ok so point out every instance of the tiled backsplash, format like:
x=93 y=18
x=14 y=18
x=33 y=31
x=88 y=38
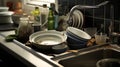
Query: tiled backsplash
x=93 y=17
x=96 y=17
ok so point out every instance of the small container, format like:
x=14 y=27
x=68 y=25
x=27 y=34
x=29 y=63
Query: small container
x=101 y=38
x=36 y=27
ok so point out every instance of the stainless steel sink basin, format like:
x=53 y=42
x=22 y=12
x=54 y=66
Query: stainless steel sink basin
x=87 y=57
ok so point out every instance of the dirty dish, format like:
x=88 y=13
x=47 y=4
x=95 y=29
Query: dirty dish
x=45 y=40
x=79 y=33
x=60 y=48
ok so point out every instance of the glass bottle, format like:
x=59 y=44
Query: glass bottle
x=50 y=19
x=56 y=15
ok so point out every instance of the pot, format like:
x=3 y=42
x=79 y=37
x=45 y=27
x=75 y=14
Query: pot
x=45 y=40
x=6 y=17
x=4 y=9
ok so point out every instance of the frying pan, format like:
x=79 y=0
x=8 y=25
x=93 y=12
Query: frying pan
x=45 y=40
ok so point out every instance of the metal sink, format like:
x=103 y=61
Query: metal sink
x=88 y=57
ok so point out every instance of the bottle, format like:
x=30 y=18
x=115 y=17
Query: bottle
x=36 y=14
x=44 y=13
x=56 y=15
x=37 y=22
x=50 y=19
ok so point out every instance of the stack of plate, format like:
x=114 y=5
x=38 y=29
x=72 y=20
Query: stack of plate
x=76 y=19
x=4 y=9
x=77 y=38
x=5 y=19
x=5 y=15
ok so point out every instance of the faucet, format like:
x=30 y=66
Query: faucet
x=84 y=7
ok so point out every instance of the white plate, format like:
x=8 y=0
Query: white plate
x=80 y=18
x=77 y=19
x=73 y=20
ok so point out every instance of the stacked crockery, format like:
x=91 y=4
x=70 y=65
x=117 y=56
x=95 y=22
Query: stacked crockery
x=77 y=38
x=5 y=15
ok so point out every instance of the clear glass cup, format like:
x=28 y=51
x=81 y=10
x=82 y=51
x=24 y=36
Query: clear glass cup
x=100 y=38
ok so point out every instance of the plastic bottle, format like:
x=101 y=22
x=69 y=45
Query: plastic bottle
x=37 y=21
x=44 y=13
x=50 y=19
x=36 y=14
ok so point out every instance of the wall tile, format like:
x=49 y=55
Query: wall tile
x=102 y=13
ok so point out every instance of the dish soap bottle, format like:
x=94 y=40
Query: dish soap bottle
x=36 y=14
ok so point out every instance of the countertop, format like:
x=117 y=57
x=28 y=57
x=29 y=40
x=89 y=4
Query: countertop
x=25 y=54
x=31 y=58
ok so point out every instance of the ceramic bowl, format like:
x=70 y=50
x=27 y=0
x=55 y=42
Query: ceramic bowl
x=74 y=43
x=59 y=48
x=75 y=37
x=79 y=33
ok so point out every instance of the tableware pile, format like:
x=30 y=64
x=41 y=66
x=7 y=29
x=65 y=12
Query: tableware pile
x=77 y=19
x=77 y=38
x=5 y=15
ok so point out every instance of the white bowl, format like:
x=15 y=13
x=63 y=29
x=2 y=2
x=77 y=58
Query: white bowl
x=77 y=32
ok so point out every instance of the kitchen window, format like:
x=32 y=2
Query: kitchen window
x=40 y=2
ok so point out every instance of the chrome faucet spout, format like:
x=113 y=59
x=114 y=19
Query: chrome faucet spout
x=85 y=7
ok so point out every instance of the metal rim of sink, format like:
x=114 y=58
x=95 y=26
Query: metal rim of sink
x=85 y=51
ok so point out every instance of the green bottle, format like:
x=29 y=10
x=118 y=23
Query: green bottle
x=56 y=15
x=50 y=20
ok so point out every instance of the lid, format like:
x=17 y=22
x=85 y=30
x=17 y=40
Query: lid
x=4 y=9
x=6 y=13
